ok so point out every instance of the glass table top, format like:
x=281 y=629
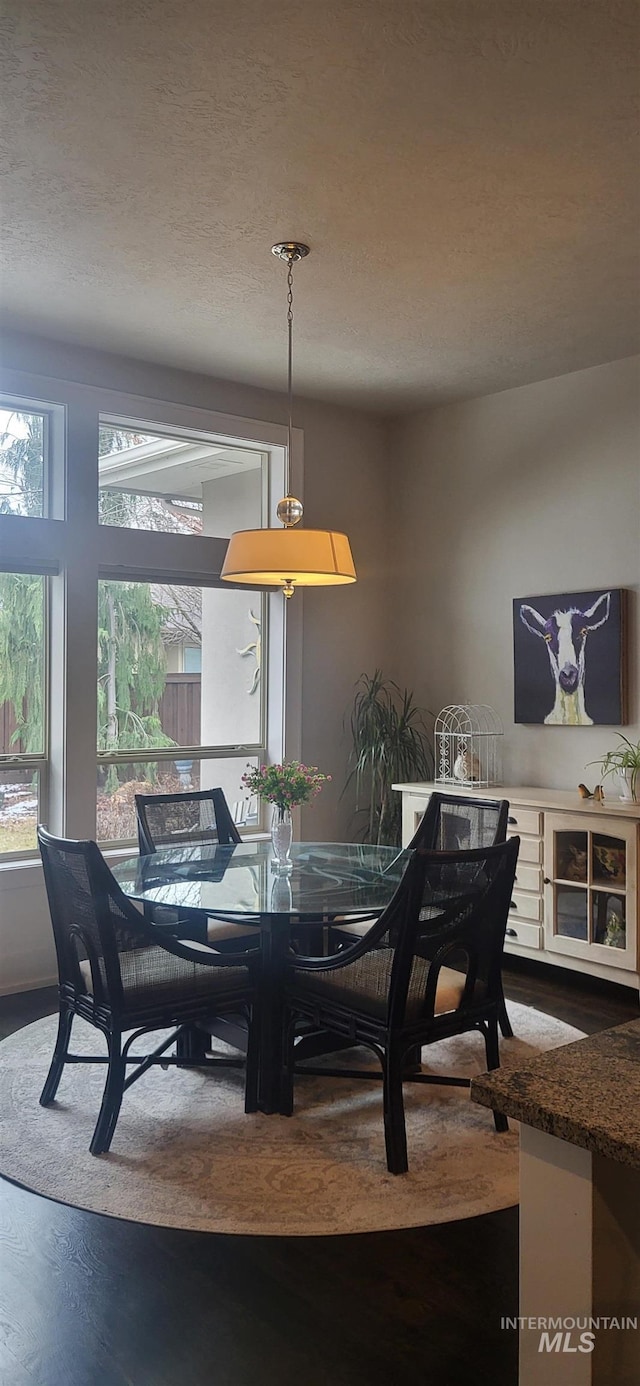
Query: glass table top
x=327 y=878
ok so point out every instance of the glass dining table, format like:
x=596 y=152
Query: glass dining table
x=241 y=883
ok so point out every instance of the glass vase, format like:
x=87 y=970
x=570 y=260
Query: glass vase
x=281 y=837
x=281 y=898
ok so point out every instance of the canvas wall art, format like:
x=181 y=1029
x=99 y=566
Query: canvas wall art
x=568 y=655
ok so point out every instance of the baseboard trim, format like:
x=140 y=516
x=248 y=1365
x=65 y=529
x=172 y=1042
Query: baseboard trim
x=31 y=985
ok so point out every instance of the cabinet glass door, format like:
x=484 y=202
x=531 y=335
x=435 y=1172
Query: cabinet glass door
x=590 y=885
x=609 y=919
x=571 y=856
x=572 y=912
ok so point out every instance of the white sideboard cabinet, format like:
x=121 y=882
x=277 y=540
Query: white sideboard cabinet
x=575 y=900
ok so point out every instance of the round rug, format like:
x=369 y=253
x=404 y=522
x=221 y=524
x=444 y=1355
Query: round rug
x=185 y=1155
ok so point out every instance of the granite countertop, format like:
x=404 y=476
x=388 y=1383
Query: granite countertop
x=587 y=1093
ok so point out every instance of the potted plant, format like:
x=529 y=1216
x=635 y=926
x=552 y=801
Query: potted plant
x=389 y=743
x=284 y=786
x=624 y=761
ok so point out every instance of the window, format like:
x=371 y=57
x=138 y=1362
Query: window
x=177 y=485
x=23 y=456
x=149 y=703
x=23 y=743
x=147 y=699
x=119 y=783
x=192 y=659
x=26 y=431
x=181 y=672
x=118 y=644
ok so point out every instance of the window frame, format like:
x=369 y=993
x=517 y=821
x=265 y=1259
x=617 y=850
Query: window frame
x=18 y=559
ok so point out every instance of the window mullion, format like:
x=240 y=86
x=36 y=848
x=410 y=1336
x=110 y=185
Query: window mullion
x=74 y=605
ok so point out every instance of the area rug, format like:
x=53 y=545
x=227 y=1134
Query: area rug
x=185 y=1155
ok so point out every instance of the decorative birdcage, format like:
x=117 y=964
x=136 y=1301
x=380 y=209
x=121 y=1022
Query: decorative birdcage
x=468 y=745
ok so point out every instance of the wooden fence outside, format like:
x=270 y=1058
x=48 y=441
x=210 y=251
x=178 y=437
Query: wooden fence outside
x=180 y=709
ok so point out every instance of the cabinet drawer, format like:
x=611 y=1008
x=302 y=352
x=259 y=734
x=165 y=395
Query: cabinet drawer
x=525 y=906
x=530 y=849
x=528 y=877
x=524 y=820
x=523 y=934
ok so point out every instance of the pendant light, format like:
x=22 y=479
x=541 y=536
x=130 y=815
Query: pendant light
x=289 y=557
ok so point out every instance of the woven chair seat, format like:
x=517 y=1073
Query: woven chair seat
x=363 y=985
x=219 y=932
x=358 y=927
x=152 y=976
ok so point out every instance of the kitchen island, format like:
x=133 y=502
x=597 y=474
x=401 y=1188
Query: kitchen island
x=579 y=1109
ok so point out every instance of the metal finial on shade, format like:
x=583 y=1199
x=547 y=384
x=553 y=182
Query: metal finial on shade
x=289 y=511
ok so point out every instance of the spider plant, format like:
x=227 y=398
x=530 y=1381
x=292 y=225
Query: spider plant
x=622 y=760
x=389 y=743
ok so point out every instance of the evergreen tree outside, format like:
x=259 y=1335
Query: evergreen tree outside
x=21 y=463
x=131 y=672
x=22 y=660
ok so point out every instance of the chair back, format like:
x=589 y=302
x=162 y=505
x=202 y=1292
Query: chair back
x=450 y=910
x=165 y=820
x=92 y=920
x=452 y=822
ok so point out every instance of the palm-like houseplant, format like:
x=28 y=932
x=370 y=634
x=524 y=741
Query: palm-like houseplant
x=389 y=744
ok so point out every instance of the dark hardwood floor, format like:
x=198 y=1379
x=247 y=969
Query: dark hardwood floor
x=88 y=1301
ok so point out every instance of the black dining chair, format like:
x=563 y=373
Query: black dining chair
x=194 y=817
x=451 y=822
x=199 y=815
x=114 y=975
x=383 y=992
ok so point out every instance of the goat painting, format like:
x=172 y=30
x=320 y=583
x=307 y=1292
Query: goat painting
x=570 y=675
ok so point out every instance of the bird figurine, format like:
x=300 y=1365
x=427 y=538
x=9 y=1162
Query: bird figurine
x=466 y=767
x=598 y=793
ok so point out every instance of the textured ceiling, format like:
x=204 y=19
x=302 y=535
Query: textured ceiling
x=464 y=171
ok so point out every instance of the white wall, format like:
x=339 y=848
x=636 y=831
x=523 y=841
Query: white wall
x=346 y=629
x=531 y=491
